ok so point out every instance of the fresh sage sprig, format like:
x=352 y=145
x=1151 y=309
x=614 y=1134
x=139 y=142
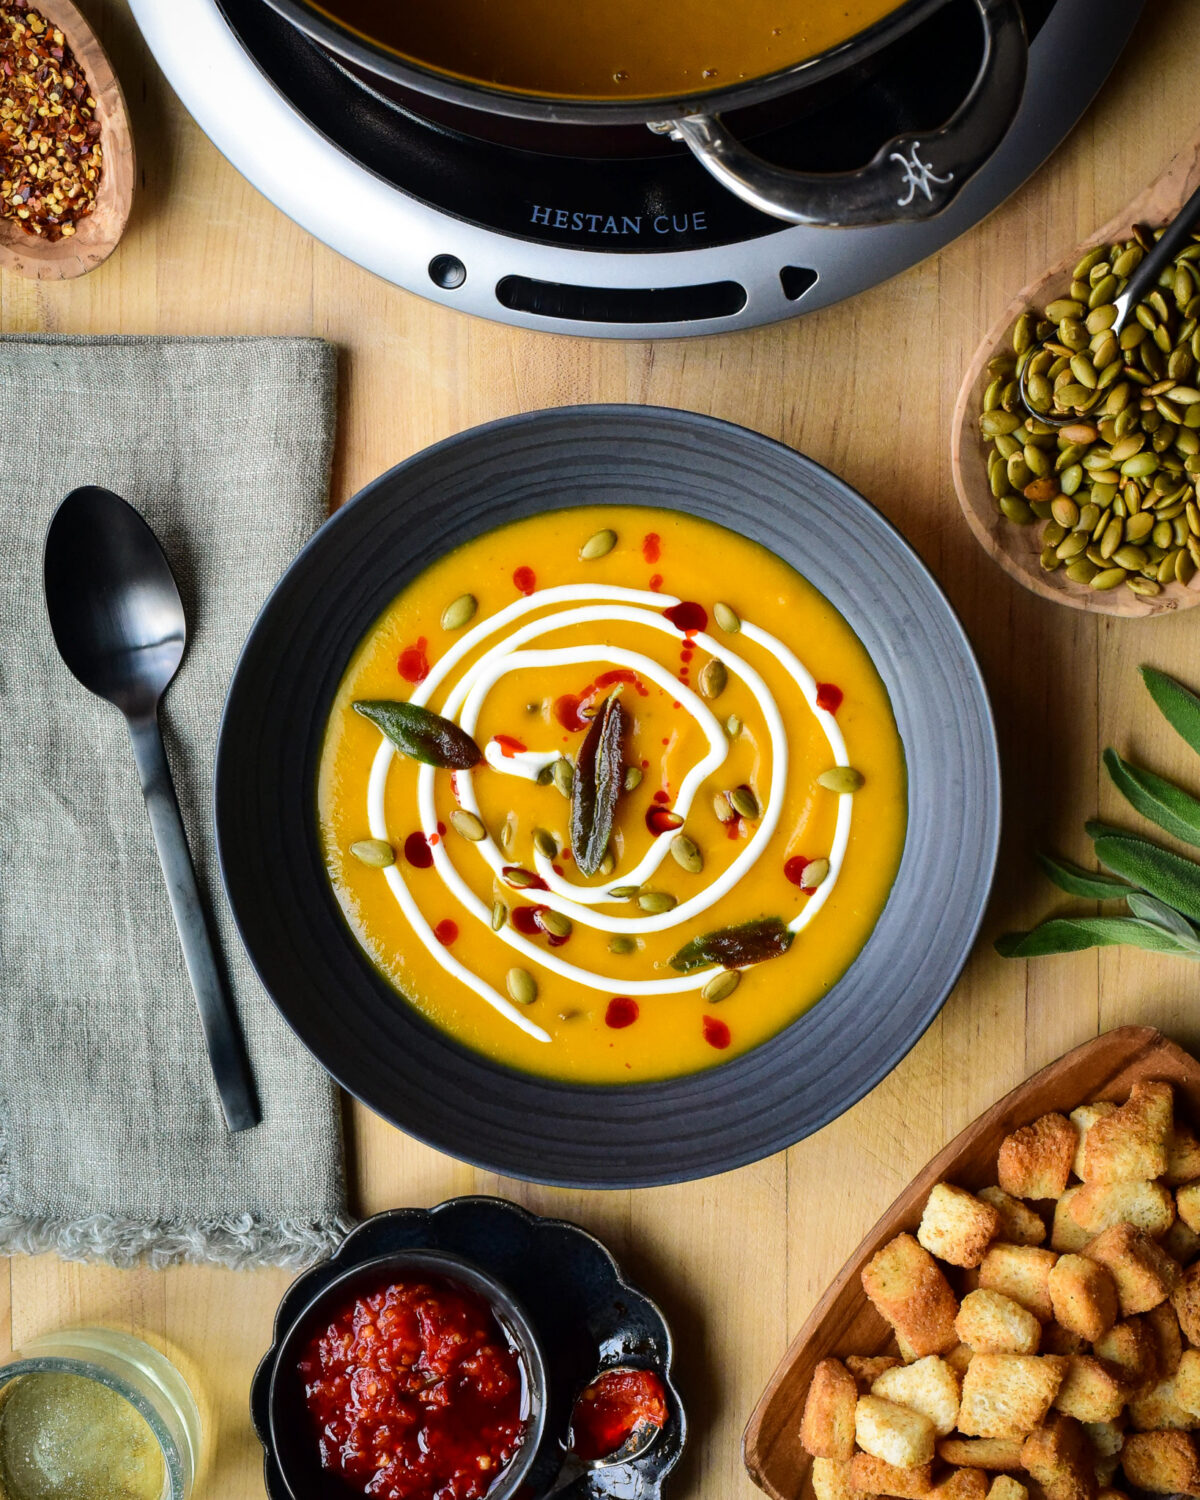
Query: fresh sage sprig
x=1160 y=888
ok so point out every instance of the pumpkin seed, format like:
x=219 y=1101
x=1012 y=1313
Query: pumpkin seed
x=656 y=902
x=1065 y=511
x=743 y=801
x=624 y=892
x=814 y=874
x=726 y=618
x=468 y=825
x=713 y=679
x=1017 y=511
x=545 y=843
x=459 y=611
x=521 y=986
x=621 y=943
x=555 y=923
x=545 y=776
x=721 y=986
x=733 y=726
x=841 y=779
x=686 y=854
x=599 y=544
x=724 y=812
x=632 y=779
x=499 y=915
x=1145 y=586
x=607 y=863
x=1109 y=578
x=563 y=776
x=374 y=852
x=508 y=834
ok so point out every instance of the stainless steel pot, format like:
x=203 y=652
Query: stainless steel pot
x=909 y=178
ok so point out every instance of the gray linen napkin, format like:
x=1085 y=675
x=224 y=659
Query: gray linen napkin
x=112 y=1143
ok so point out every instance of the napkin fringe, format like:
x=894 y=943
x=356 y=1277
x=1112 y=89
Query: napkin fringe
x=239 y=1241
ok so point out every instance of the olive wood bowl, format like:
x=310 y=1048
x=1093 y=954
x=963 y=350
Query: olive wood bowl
x=845 y=1322
x=1017 y=548
x=96 y=236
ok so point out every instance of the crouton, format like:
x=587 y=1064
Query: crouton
x=827 y=1426
x=1059 y=1457
x=1185 y=1299
x=1097 y=1206
x=1083 y=1119
x=1183 y=1154
x=959 y=1358
x=897 y=1434
x=1166 y=1463
x=1130 y=1145
x=831 y=1479
x=1130 y=1350
x=1021 y=1272
x=1084 y=1296
x=1144 y=1275
x=1164 y=1325
x=1187 y=1382
x=1158 y=1407
x=1106 y=1438
x=1066 y=1233
x=992 y=1323
x=1005 y=1487
x=1008 y=1395
x=1187 y=1201
x=1019 y=1224
x=981 y=1453
x=1035 y=1161
x=877 y=1477
x=956 y=1226
x=1090 y=1392
x=961 y=1484
x=1059 y=1340
x=1181 y=1242
x=866 y=1371
x=1110 y=1494
x=907 y=1353
x=906 y=1285
x=929 y=1386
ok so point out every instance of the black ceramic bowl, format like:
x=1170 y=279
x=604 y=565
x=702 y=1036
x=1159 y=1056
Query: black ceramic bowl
x=292 y=1438
x=377 y=1046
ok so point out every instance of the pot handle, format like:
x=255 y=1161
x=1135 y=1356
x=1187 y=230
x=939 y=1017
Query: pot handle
x=910 y=178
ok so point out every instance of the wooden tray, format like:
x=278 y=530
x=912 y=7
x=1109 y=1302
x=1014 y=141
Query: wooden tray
x=844 y=1322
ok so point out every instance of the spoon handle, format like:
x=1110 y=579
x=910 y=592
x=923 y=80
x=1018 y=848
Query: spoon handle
x=222 y=1032
x=1177 y=235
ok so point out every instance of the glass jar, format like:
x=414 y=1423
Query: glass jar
x=144 y=1376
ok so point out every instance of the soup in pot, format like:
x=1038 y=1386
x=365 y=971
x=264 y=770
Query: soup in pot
x=608 y=49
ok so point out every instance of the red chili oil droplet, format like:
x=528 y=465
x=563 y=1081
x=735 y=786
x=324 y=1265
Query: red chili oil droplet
x=622 y=1011
x=733 y=829
x=441 y=828
x=524 y=919
x=417 y=851
x=645 y=765
x=446 y=932
x=623 y=674
x=829 y=697
x=652 y=547
x=662 y=820
x=716 y=1033
x=529 y=881
x=795 y=868
x=687 y=616
x=655 y=582
x=508 y=746
x=558 y=869
x=412 y=664
x=566 y=711
x=661 y=796
x=525 y=580
x=434 y=838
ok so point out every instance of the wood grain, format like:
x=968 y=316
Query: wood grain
x=866 y=388
x=845 y=1322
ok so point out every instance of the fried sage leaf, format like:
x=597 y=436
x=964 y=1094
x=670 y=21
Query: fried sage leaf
x=422 y=735
x=1174 y=810
x=1092 y=885
x=599 y=773
x=1074 y=934
x=1170 y=877
x=735 y=947
x=1179 y=706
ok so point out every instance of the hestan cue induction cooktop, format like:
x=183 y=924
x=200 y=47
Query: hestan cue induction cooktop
x=610 y=232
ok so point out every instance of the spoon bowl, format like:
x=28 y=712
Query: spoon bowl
x=1017 y=549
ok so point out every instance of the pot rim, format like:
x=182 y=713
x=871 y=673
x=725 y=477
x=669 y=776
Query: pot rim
x=382 y=61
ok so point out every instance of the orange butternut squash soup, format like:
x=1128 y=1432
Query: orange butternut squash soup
x=611 y=794
x=609 y=49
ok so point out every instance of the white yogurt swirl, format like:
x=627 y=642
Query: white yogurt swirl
x=464 y=704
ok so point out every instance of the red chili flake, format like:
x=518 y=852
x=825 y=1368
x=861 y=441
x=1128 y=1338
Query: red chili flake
x=417 y=851
x=622 y=1011
x=795 y=868
x=446 y=932
x=661 y=796
x=412 y=663
x=652 y=547
x=662 y=820
x=829 y=697
x=716 y=1033
x=656 y=582
x=566 y=711
x=524 y=919
x=525 y=580
x=508 y=746
x=687 y=617
x=529 y=881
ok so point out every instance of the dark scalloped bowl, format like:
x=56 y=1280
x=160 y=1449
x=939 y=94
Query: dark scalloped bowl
x=584 y=1313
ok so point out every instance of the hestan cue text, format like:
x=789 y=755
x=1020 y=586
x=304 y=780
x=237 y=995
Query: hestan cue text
x=579 y=222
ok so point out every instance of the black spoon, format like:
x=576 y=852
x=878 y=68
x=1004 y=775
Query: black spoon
x=119 y=625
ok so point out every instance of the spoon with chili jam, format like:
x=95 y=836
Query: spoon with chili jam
x=616 y=1417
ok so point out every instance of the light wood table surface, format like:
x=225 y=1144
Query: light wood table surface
x=865 y=388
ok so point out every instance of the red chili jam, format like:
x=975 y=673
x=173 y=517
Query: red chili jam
x=652 y=547
x=621 y=1012
x=612 y=1406
x=829 y=697
x=446 y=932
x=687 y=616
x=525 y=580
x=417 y=851
x=413 y=664
x=795 y=867
x=717 y=1033
x=415 y=1393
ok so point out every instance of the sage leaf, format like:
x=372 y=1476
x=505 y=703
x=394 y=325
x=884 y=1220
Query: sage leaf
x=1151 y=909
x=1175 y=811
x=421 y=734
x=1179 y=706
x=1091 y=885
x=1075 y=934
x=599 y=774
x=735 y=947
x=1171 y=877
